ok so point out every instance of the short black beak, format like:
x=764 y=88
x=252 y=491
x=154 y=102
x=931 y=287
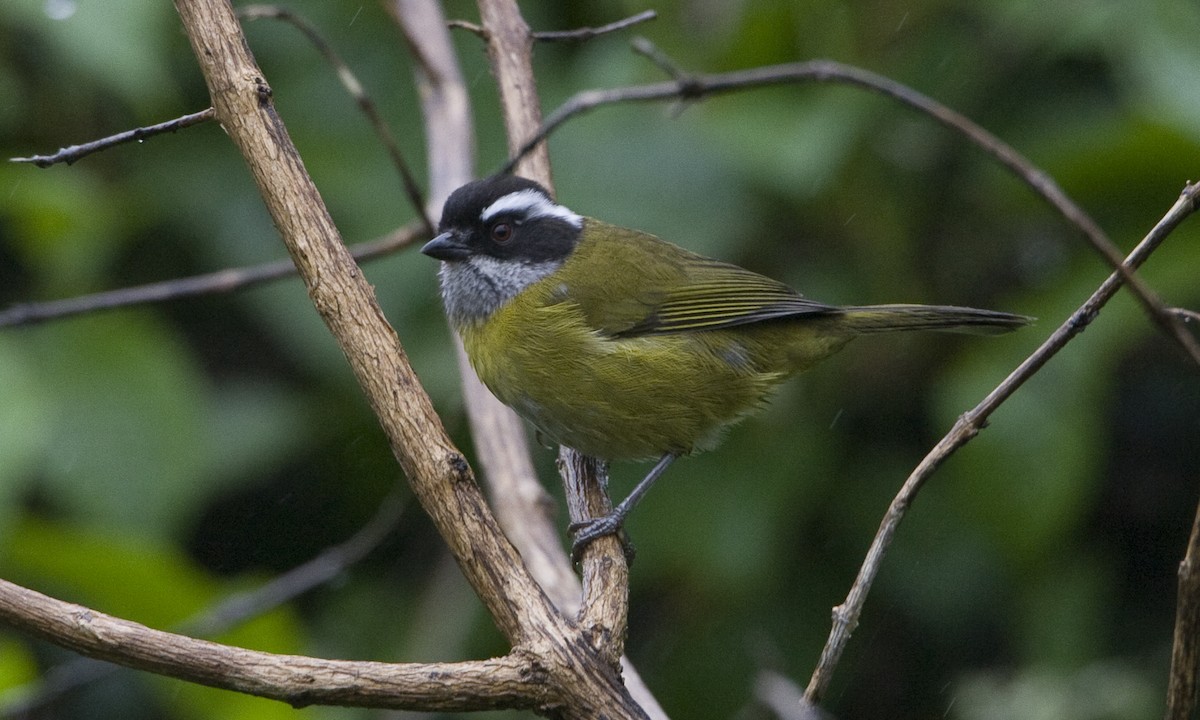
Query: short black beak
x=447 y=247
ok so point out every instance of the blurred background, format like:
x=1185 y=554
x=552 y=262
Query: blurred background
x=155 y=460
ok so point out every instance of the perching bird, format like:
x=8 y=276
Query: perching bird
x=624 y=346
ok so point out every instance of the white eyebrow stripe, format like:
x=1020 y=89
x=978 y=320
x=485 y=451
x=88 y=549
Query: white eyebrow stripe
x=530 y=204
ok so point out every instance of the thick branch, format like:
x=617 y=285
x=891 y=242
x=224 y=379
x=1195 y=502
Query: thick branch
x=510 y=47
x=440 y=477
x=484 y=684
x=232 y=610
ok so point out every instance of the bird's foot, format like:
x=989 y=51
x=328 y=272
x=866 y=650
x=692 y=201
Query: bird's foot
x=586 y=532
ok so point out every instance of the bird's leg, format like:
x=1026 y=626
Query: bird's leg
x=584 y=532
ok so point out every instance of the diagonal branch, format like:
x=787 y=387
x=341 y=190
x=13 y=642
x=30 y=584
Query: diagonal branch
x=846 y=615
x=437 y=471
x=72 y=153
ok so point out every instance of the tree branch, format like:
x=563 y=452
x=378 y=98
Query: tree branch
x=505 y=682
x=221 y=281
x=440 y=477
x=553 y=664
x=846 y=615
x=587 y=33
x=72 y=153
x=1185 y=651
x=234 y=609
x=576 y=35
x=522 y=506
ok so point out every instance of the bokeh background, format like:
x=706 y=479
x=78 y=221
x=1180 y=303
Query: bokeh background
x=155 y=460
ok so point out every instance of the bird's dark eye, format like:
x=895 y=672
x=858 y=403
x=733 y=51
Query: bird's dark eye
x=502 y=232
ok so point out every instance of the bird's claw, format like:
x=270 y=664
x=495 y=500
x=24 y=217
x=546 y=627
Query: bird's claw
x=586 y=532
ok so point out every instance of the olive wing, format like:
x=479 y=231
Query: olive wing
x=653 y=287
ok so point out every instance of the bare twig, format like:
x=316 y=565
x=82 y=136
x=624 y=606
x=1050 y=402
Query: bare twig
x=587 y=33
x=1185 y=653
x=784 y=698
x=846 y=615
x=356 y=91
x=72 y=153
x=670 y=68
x=1187 y=316
x=688 y=86
x=576 y=35
x=234 y=609
x=221 y=281
x=469 y=26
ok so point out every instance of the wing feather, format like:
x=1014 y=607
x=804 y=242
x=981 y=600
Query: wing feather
x=683 y=291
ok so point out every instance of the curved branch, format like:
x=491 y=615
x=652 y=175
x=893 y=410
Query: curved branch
x=506 y=682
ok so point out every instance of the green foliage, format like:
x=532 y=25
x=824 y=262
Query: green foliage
x=154 y=460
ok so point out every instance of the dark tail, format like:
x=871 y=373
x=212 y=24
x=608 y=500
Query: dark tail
x=884 y=318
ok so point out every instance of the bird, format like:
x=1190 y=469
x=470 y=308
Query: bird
x=624 y=346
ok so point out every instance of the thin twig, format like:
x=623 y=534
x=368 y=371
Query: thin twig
x=72 y=153
x=233 y=610
x=587 y=33
x=470 y=27
x=1185 y=652
x=576 y=35
x=846 y=615
x=784 y=698
x=221 y=281
x=688 y=86
x=356 y=91
x=1187 y=316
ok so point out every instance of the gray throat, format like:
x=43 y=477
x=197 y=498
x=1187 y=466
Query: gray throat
x=479 y=286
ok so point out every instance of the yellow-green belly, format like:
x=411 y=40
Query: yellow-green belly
x=637 y=397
